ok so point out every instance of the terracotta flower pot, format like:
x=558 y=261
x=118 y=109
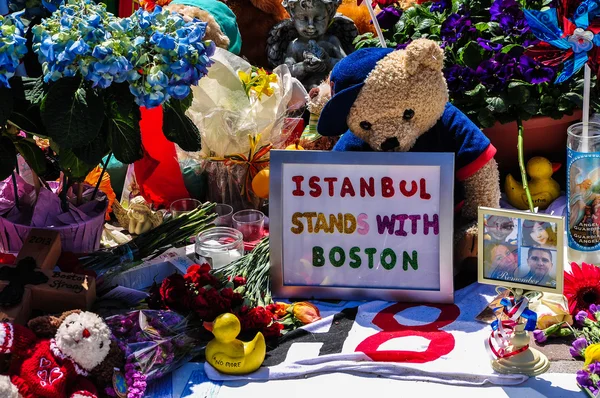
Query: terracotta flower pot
x=542 y=136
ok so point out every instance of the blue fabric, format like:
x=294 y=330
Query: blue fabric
x=454 y=132
x=347 y=79
x=355 y=68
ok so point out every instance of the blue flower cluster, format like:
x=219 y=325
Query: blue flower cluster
x=169 y=56
x=12 y=47
x=157 y=53
x=83 y=38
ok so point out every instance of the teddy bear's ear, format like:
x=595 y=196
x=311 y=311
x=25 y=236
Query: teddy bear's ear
x=44 y=326
x=423 y=53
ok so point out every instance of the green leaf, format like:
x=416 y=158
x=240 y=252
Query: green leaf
x=477 y=91
x=8 y=157
x=179 y=128
x=518 y=92
x=532 y=106
x=507 y=49
x=93 y=152
x=33 y=155
x=472 y=55
x=482 y=26
x=496 y=104
x=6 y=104
x=37 y=92
x=486 y=118
x=575 y=98
x=72 y=113
x=124 y=136
x=425 y=24
x=73 y=166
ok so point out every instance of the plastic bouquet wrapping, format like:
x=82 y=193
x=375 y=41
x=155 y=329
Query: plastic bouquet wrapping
x=240 y=111
x=155 y=343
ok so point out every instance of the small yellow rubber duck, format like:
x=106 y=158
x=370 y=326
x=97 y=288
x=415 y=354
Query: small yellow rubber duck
x=544 y=190
x=229 y=355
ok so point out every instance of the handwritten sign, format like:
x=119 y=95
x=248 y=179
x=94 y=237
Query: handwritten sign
x=362 y=225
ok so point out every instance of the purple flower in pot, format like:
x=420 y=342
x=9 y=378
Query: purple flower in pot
x=534 y=72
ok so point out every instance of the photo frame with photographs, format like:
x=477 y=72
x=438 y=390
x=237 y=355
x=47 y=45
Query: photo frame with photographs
x=521 y=250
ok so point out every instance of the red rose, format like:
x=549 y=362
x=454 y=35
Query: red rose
x=175 y=294
x=239 y=281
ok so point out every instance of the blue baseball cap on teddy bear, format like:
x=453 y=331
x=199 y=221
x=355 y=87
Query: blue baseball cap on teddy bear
x=347 y=79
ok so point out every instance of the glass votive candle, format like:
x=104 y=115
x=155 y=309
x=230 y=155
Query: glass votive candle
x=184 y=206
x=219 y=246
x=250 y=223
x=224 y=214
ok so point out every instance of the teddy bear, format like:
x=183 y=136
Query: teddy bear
x=310 y=138
x=397 y=100
x=58 y=357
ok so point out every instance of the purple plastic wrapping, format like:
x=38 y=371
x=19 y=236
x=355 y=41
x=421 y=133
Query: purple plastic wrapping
x=80 y=228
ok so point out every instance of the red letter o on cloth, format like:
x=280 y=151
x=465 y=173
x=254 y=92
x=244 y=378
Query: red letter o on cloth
x=440 y=341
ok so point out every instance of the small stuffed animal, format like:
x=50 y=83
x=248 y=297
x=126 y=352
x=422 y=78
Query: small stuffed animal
x=58 y=366
x=386 y=100
x=221 y=22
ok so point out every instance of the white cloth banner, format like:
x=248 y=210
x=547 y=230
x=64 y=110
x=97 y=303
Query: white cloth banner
x=422 y=342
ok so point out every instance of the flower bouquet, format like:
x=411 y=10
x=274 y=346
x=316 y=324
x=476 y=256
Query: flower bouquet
x=155 y=343
x=240 y=112
x=96 y=71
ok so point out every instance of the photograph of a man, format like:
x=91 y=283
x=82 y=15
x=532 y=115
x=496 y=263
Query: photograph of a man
x=541 y=263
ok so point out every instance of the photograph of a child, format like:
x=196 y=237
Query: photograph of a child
x=521 y=252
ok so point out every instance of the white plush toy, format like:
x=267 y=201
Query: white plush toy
x=57 y=367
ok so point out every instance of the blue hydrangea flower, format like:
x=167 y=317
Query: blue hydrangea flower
x=12 y=47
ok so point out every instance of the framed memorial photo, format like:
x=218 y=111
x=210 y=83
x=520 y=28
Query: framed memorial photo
x=521 y=250
x=362 y=225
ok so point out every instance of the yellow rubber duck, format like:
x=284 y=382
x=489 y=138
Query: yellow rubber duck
x=544 y=190
x=229 y=355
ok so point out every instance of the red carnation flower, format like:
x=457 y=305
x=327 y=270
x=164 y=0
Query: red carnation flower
x=175 y=294
x=199 y=275
x=239 y=281
x=257 y=318
x=273 y=331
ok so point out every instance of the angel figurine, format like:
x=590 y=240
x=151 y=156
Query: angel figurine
x=312 y=41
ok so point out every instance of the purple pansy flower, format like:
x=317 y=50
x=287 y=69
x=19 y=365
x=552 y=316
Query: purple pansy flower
x=494 y=73
x=441 y=6
x=534 y=72
x=388 y=17
x=460 y=79
x=539 y=336
x=581 y=317
x=454 y=27
x=510 y=16
x=529 y=43
x=583 y=378
x=578 y=347
x=488 y=45
x=402 y=46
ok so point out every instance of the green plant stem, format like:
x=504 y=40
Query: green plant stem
x=522 y=163
x=104 y=166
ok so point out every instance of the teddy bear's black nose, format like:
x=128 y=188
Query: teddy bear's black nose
x=390 y=144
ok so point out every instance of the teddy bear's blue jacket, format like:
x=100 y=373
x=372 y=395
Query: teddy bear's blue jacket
x=453 y=132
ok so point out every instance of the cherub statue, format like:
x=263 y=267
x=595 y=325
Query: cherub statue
x=312 y=41
x=139 y=217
